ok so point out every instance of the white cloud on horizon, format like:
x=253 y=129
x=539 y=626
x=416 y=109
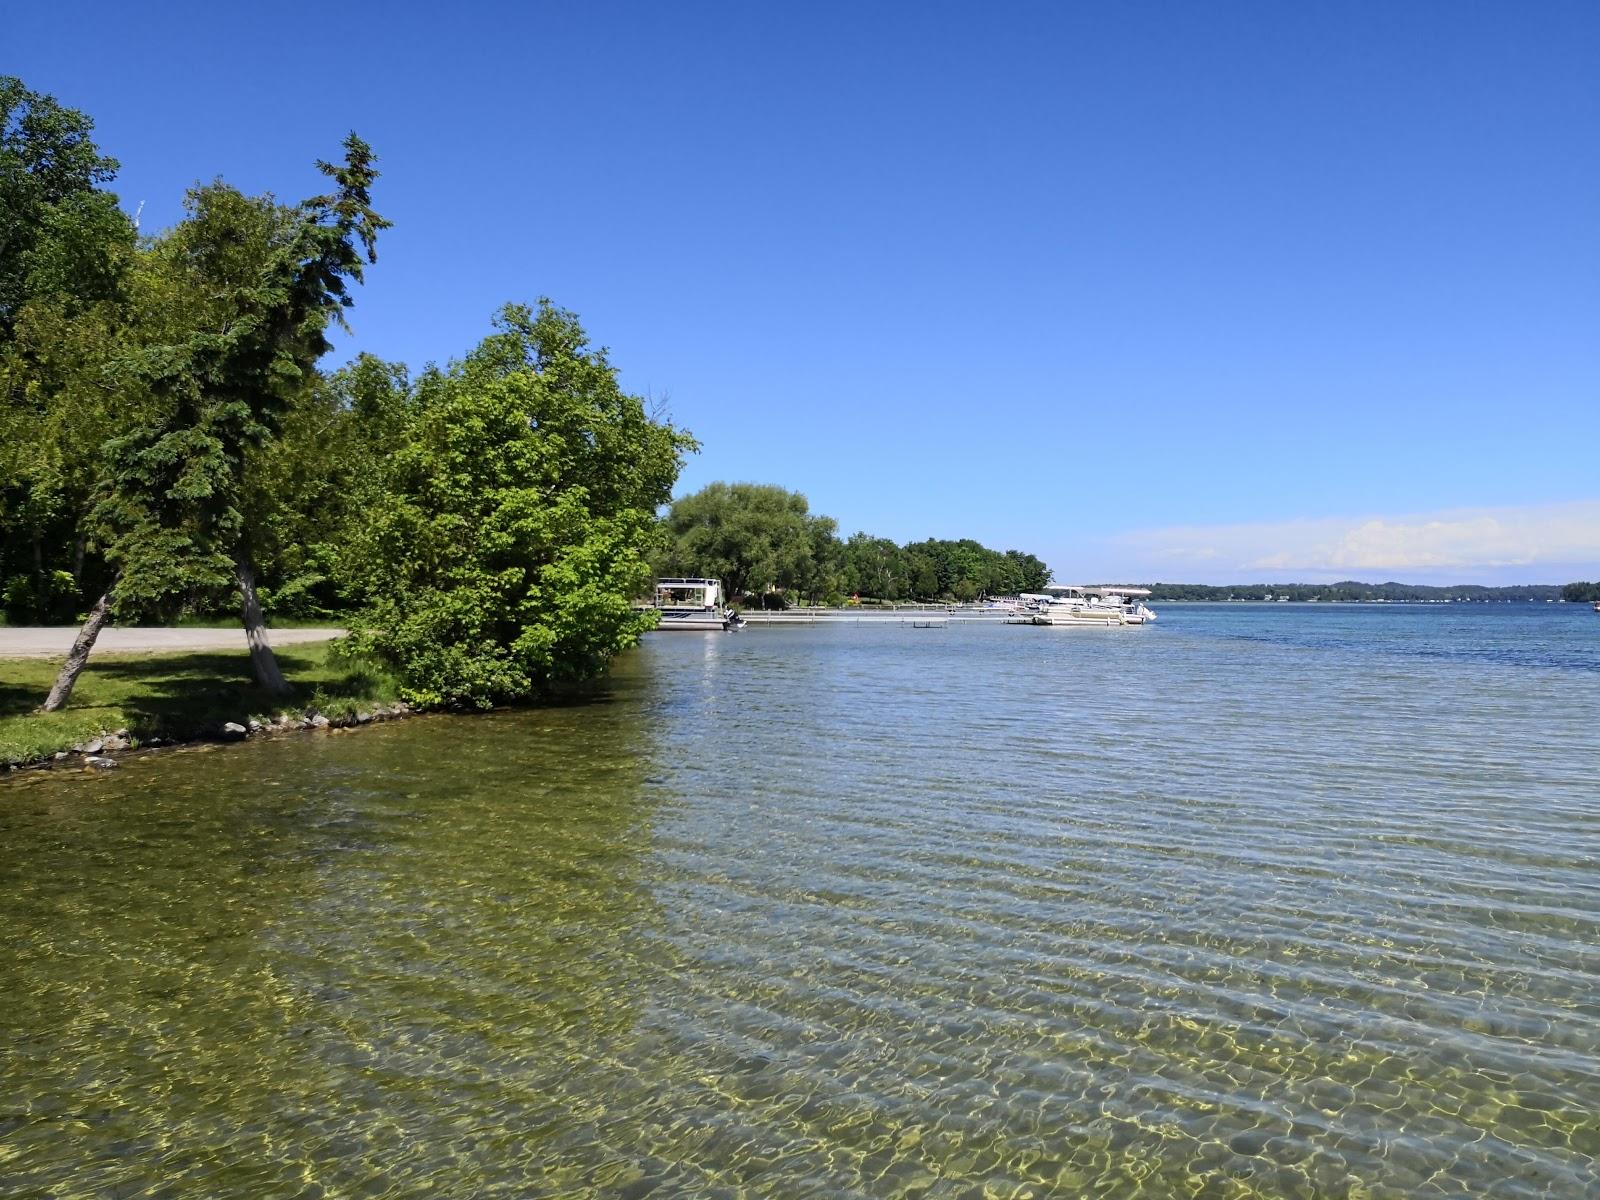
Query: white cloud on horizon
x=1468 y=543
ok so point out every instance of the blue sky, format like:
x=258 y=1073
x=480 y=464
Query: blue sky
x=1208 y=292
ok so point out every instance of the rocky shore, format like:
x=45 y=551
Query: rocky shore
x=102 y=753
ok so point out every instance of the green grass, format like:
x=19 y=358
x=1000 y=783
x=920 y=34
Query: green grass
x=173 y=696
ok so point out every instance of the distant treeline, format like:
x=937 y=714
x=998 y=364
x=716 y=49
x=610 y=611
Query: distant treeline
x=1581 y=593
x=762 y=540
x=1349 y=589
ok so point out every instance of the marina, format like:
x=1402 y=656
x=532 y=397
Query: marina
x=1059 y=605
x=700 y=605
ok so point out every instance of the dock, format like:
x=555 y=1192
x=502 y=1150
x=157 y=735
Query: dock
x=917 y=616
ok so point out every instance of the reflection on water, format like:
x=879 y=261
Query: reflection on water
x=1234 y=906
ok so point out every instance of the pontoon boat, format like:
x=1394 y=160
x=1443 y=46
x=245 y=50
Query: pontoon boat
x=693 y=604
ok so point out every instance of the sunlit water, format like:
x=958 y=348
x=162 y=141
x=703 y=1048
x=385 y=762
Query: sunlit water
x=1290 y=901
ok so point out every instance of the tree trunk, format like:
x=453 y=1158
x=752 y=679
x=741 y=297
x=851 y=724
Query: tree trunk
x=255 y=631
x=77 y=558
x=79 y=654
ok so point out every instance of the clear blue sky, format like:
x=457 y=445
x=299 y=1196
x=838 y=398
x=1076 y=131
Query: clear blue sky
x=1154 y=290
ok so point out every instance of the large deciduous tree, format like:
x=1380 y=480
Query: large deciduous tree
x=504 y=543
x=875 y=567
x=65 y=253
x=54 y=219
x=252 y=287
x=753 y=536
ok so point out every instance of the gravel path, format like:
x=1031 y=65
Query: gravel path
x=53 y=641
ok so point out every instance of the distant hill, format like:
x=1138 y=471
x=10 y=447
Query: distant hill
x=1350 y=589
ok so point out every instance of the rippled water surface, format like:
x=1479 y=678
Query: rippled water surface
x=1297 y=901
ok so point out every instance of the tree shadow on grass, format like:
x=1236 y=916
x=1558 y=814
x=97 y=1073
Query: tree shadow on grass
x=17 y=699
x=187 y=695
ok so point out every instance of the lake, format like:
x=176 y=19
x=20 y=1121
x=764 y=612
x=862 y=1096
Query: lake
x=1277 y=901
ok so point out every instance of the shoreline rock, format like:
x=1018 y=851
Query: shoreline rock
x=98 y=752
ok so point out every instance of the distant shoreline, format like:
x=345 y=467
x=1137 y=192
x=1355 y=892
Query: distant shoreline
x=1350 y=591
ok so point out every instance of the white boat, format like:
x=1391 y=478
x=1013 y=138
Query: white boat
x=1070 y=604
x=1131 y=600
x=693 y=604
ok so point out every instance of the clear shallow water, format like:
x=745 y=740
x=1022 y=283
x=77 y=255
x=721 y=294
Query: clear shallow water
x=1262 y=901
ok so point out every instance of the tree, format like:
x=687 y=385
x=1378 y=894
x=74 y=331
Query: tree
x=53 y=217
x=65 y=253
x=308 y=485
x=499 y=557
x=752 y=536
x=874 y=567
x=922 y=575
x=1026 y=573
x=825 y=579
x=252 y=288
x=756 y=537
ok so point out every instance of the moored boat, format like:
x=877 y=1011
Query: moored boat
x=693 y=604
x=1130 y=600
x=1072 y=605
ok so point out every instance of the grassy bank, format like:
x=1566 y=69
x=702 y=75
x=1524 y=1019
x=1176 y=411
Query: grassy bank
x=172 y=696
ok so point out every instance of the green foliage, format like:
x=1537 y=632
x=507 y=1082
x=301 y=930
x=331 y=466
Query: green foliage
x=51 y=592
x=65 y=255
x=875 y=567
x=965 y=570
x=1581 y=593
x=141 y=386
x=253 y=287
x=54 y=223
x=752 y=536
x=307 y=486
x=758 y=537
x=503 y=540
